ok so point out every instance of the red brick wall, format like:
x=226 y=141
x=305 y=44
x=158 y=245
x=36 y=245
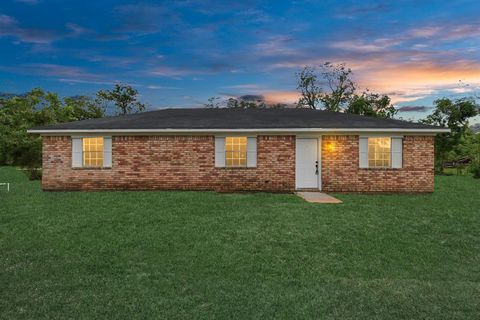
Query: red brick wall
x=341 y=172
x=187 y=162
x=170 y=162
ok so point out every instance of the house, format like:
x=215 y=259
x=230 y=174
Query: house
x=276 y=150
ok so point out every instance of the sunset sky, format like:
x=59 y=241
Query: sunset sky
x=179 y=53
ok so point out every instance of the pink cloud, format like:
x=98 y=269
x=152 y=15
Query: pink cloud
x=61 y=72
x=9 y=27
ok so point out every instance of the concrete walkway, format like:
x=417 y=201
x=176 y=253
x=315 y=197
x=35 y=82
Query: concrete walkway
x=317 y=197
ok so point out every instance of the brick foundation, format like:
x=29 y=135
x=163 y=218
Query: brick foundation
x=187 y=163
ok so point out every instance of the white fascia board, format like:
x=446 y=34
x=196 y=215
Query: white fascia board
x=266 y=130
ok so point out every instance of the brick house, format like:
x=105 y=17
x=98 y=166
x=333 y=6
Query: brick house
x=278 y=150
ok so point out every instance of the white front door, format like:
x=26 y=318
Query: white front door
x=307 y=169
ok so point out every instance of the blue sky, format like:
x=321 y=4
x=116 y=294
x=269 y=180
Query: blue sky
x=179 y=53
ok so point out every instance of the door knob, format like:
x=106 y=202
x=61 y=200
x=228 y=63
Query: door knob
x=316 y=167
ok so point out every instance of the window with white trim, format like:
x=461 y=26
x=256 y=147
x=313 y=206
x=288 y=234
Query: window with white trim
x=235 y=151
x=379 y=152
x=92 y=150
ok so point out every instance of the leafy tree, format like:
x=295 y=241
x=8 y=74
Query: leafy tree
x=213 y=102
x=36 y=108
x=454 y=115
x=340 y=85
x=475 y=155
x=81 y=108
x=232 y=103
x=123 y=96
x=243 y=104
x=331 y=87
x=371 y=104
x=309 y=87
x=278 y=105
x=239 y=103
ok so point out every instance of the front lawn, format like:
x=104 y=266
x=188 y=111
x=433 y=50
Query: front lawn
x=179 y=255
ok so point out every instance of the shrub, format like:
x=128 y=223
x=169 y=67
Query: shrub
x=475 y=169
x=33 y=173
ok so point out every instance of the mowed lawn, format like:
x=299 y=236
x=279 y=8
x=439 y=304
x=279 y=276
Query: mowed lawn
x=204 y=255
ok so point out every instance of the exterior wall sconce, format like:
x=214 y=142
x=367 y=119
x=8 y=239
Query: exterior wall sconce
x=330 y=146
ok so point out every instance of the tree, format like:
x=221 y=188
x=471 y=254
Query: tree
x=371 y=104
x=278 y=105
x=36 y=108
x=213 y=102
x=330 y=86
x=124 y=97
x=340 y=85
x=232 y=103
x=243 y=102
x=309 y=87
x=81 y=108
x=454 y=115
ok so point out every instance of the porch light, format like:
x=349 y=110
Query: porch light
x=330 y=146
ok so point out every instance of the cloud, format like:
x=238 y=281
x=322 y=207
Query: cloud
x=461 y=31
x=144 y=18
x=180 y=72
x=364 y=46
x=276 y=46
x=62 y=72
x=9 y=28
x=463 y=90
x=414 y=109
x=251 y=97
x=425 y=32
x=252 y=15
x=247 y=86
x=157 y=87
x=269 y=97
x=387 y=63
x=114 y=61
x=79 y=81
x=288 y=97
x=446 y=32
x=419 y=73
x=428 y=36
x=171 y=72
x=28 y=1
x=357 y=11
x=77 y=30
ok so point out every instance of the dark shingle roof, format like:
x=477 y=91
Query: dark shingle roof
x=236 y=119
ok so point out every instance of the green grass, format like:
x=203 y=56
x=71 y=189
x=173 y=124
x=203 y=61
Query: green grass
x=183 y=255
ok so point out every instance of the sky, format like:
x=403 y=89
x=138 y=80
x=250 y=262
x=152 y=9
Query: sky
x=180 y=53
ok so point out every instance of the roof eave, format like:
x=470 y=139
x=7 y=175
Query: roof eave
x=279 y=130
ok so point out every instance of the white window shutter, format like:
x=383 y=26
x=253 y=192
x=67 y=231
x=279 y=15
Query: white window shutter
x=363 y=152
x=77 y=152
x=397 y=151
x=251 y=151
x=219 y=151
x=107 y=152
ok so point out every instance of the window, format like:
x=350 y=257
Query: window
x=92 y=152
x=379 y=152
x=236 y=151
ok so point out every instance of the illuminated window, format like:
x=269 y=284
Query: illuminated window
x=92 y=152
x=236 y=151
x=379 y=152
